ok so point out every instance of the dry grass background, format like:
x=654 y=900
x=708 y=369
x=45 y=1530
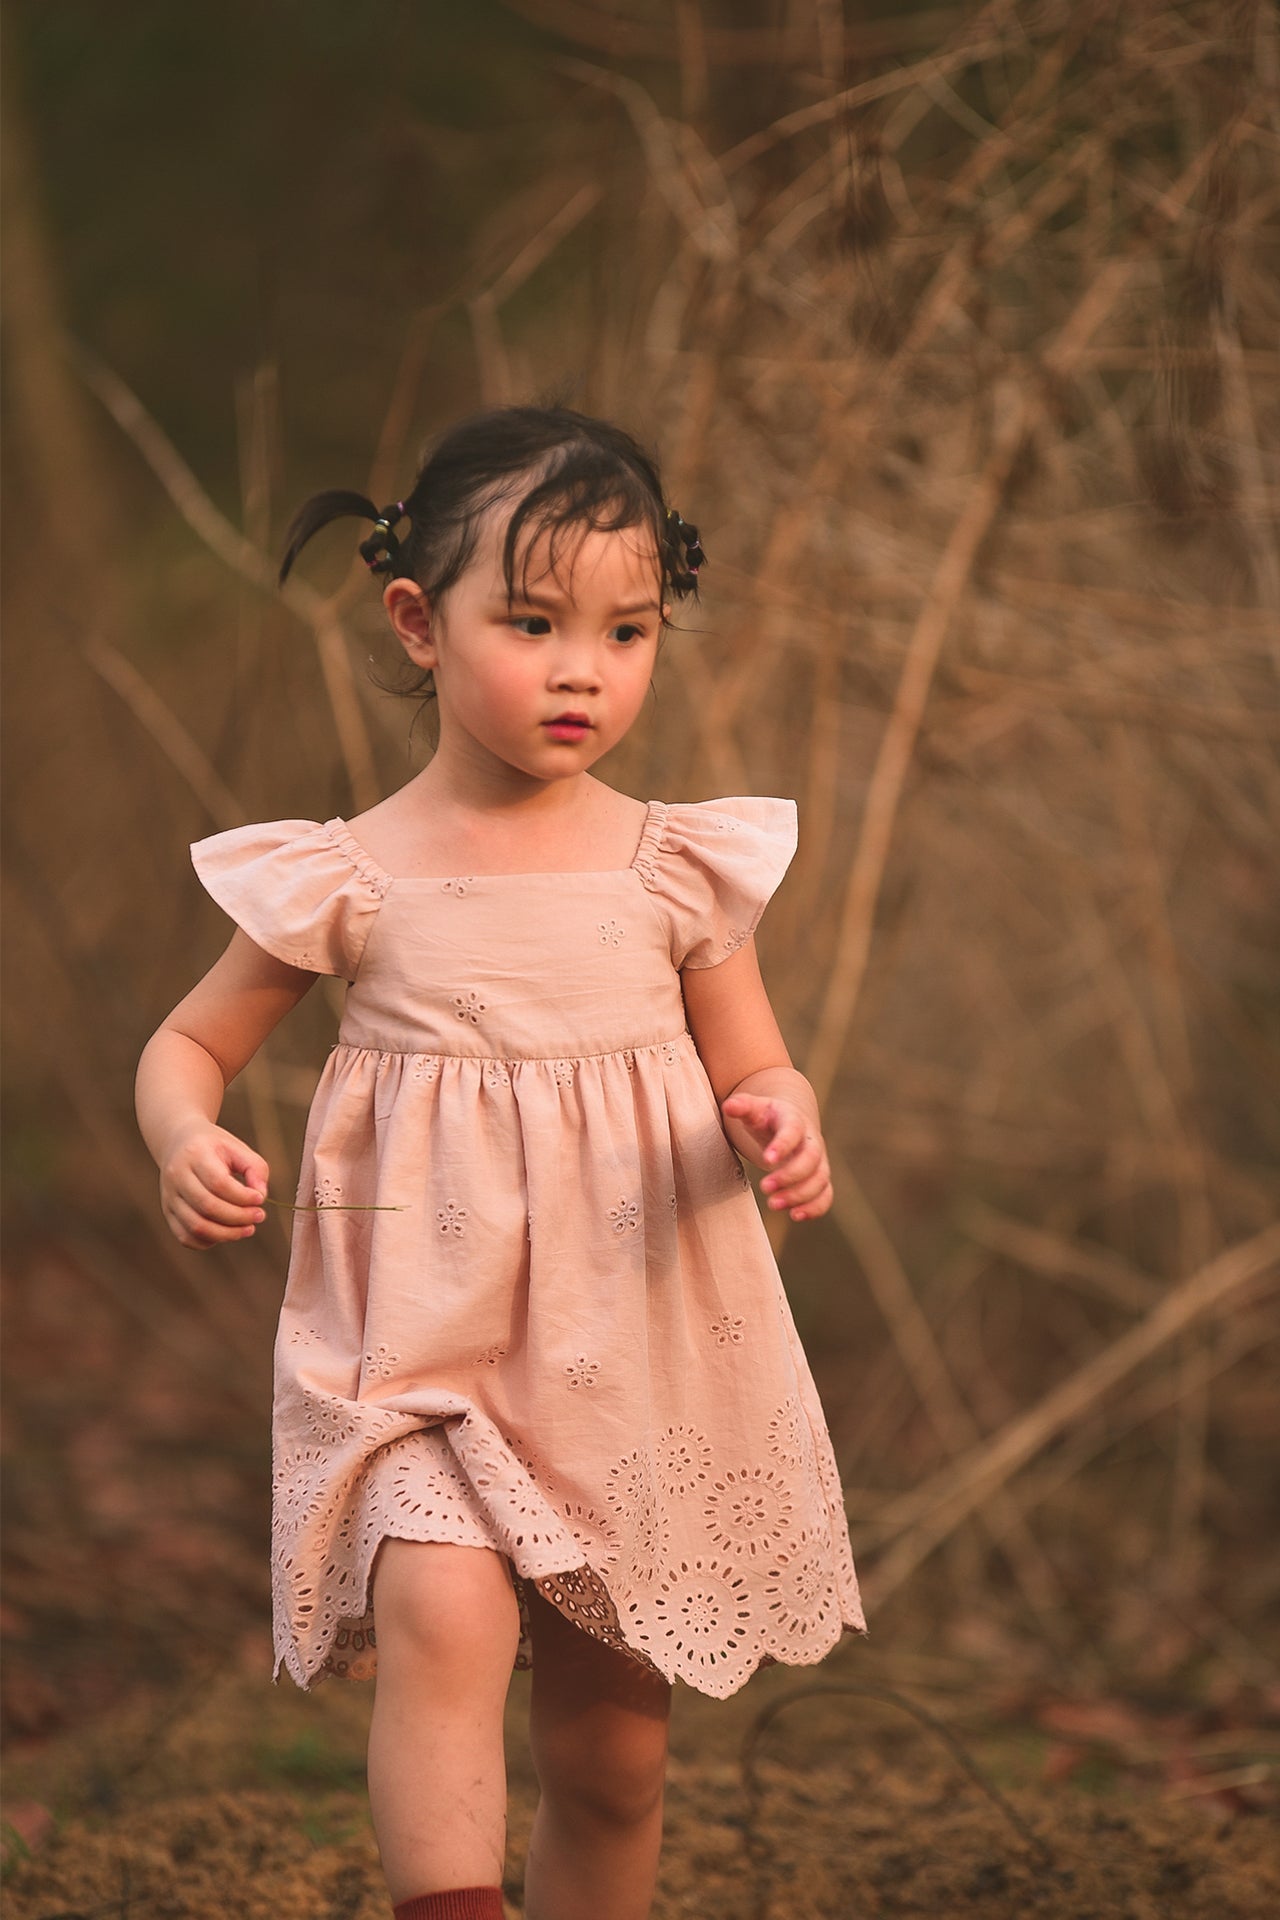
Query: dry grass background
x=966 y=364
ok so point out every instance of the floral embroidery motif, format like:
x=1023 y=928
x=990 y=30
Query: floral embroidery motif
x=724 y=824
x=682 y=1459
x=381 y=1362
x=628 y=1059
x=469 y=1006
x=331 y=1417
x=611 y=933
x=306 y=961
x=562 y=1071
x=788 y=1434
x=669 y=1052
x=625 y=1216
x=629 y=1490
x=457 y=886
x=748 y=1512
x=304 y=1337
x=491 y=1355
x=582 y=1372
x=426 y=1067
x=799 y=1597
x=496 y=1075
x=328 y=1193
x=737 y=938
x=729 y=1329
x=701 y=1611
x=452 y=1218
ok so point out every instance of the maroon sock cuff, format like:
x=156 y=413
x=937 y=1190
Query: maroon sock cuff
x=455 y=1903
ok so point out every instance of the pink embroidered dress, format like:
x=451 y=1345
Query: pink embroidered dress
x=562 y=1334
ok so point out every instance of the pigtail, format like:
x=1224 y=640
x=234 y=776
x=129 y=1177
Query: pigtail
x=380 y=551
x=684 y=556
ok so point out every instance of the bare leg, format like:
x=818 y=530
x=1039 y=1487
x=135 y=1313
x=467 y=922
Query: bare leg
x=448 y=1627
x=598 y=1730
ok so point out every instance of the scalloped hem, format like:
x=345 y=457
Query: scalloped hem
x=581 y=1595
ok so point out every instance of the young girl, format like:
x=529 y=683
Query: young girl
x=538 y=1392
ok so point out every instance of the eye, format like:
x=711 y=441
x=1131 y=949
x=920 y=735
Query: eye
x=626 y=633
x=534 y=624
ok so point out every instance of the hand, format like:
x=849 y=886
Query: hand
x=211 y=1185
x=798 y=1176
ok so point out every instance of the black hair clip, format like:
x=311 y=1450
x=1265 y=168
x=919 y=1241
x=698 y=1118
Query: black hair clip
x=381 y=550
x=681 y=531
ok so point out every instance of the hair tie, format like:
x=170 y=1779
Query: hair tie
x=381 y=550
x=686 y=534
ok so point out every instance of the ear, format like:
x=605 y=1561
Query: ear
x=409 y=612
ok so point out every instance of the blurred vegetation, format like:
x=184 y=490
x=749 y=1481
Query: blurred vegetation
x=956 y=328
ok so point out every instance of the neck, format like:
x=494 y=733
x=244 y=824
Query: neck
x=474 y=783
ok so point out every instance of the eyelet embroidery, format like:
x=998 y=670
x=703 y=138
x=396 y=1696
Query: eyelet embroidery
x=426 y=1068
x=452 y=1218
x=748 y=1511
x=563 y=1071
x=763 y=1589
x=328 y=1193
x=491 y=1355
x=724 y=824
x=789 y=1438
x=625 y=1216
x=682 y=1460
x=700 y=1611
x=582 y=1372
x=800 y=1597
x=669 y=1052
x=458 y=886
x=737 y=938
x=496 y=1075
x=729 y=1329
x=469 y=1006
x=611 y=934
x=381 y=1362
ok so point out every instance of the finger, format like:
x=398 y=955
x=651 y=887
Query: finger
x=752 y=1108
x=195 y=1231
x=813 y=1209
x=254 y=1172
x=793 y=1147
x=795 y=1193
x=209 y=1205
x=234 y=1169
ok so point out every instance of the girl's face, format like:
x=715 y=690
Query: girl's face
x=547 y=682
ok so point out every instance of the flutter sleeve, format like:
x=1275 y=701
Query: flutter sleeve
x=712 y=870
x=305 y=892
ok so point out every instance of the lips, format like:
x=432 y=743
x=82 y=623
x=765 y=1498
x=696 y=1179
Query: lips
x=568 y=726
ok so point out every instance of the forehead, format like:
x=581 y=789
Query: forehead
x=577 y=560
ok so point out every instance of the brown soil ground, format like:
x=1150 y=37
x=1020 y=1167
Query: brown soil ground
x=233 y=1797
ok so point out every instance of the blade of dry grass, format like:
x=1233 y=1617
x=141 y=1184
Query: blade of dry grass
x=959 y=1490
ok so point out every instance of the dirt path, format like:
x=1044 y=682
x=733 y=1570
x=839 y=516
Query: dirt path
x=232 y=1797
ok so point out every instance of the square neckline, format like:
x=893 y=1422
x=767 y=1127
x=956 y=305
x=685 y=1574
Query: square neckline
x=363 y=860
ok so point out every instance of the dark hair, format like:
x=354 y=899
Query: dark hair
x=571 y=473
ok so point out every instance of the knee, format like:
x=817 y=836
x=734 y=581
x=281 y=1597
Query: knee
x=445 y=1608
x=605 y=1781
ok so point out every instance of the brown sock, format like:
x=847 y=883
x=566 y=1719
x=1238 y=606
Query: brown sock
x=455 y=1903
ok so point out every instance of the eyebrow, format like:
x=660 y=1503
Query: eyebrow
x=540 y=600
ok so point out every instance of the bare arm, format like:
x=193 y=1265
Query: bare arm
x=211 y=1181
x=769 y=1108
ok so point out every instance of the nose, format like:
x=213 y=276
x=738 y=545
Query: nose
x=576 y=668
